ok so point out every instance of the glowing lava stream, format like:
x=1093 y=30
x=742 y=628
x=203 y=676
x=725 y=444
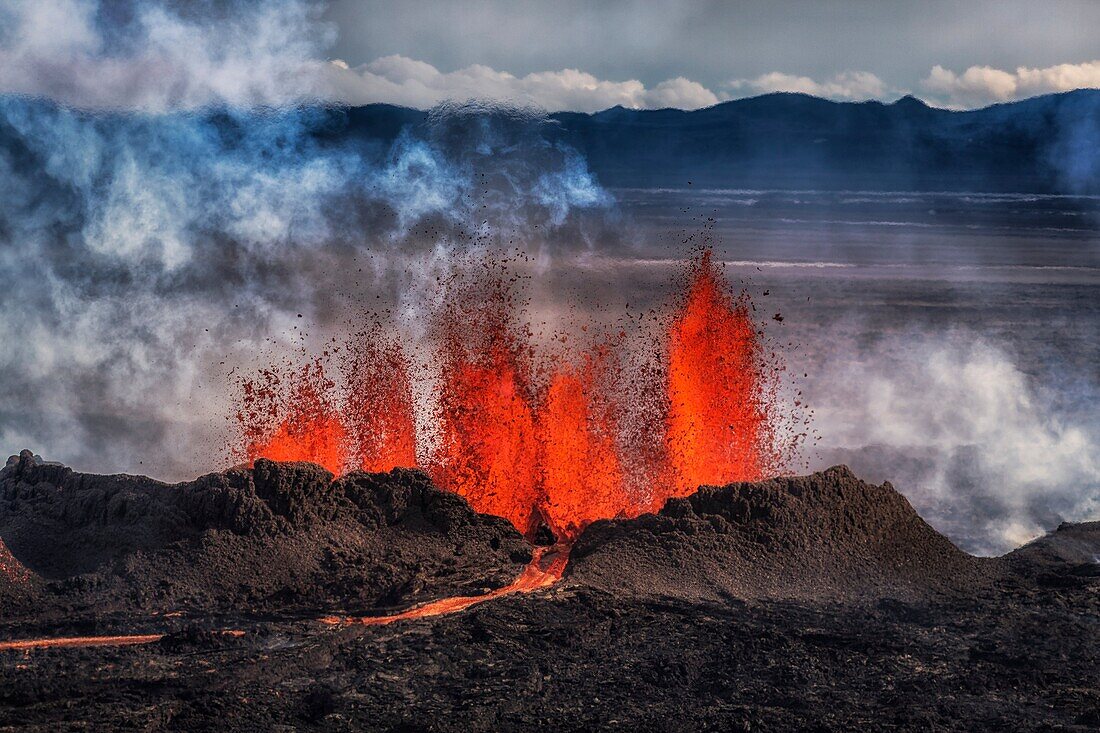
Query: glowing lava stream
x=536 y=575
x=69 y=642
x=79 y=641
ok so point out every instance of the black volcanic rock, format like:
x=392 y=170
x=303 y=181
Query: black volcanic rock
x=828 y=536
x=739 y=639
x=1073 y=544
x=279 y=537
x=1068 y=557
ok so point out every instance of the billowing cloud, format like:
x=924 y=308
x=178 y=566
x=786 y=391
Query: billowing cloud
x=849 y=85
x=983 y=85
x=680 y=93
x=79 y=53
x=267 y=54
x=145 y=255
x=953 y=420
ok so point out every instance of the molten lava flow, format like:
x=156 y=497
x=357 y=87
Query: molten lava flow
x=378 y=409
x=67 y=642
x=308 y=426
x=581 y=477
x=545 y=569
x=716 y=420
x=79 y=641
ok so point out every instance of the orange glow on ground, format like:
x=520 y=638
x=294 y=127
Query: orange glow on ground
x=545 y=569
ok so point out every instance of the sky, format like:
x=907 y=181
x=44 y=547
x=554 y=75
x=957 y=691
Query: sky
x=839 y=48
x=561 y=55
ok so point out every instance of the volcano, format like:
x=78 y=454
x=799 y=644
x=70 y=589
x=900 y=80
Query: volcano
x=483 y=534
x=245 y=598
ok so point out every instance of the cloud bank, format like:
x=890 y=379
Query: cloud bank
x=979 y=86
x=159 y=57
x=849 y=86
x=411 y=83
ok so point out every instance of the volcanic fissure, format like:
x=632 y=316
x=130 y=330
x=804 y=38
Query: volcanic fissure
x=552 y=441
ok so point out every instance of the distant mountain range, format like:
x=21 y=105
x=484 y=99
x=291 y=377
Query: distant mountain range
x=1048 y=144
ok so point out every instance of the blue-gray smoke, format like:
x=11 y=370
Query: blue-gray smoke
x=148 y=253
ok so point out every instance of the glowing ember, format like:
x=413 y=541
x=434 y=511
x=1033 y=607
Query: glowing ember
x=557 y=452
x=11 y=568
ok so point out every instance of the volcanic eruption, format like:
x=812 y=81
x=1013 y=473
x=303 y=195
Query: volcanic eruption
x=538 y=437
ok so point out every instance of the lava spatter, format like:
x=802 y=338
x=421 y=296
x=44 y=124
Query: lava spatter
x=582 y=478
x=378 y=406
x=487 y=448
x=549 y=440
x=294 y=417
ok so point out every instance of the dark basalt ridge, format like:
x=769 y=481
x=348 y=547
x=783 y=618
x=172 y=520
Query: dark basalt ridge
x=827 y=536
x=274 y=538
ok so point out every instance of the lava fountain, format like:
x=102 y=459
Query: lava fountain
x=717 y=416
x=488 y=450
x=537 y=441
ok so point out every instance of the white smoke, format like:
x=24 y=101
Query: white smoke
x=148 y=254
x=980 y=449
x=151 y=57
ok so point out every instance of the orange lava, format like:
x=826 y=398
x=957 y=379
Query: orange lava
x=306 y=426
x=67 y=642
x=79 y=641
x=487 y=450
x=545 y=569
x=582 y=479
x=554 y=439
x=716 y=417
x=487 y=446
x=379 y=405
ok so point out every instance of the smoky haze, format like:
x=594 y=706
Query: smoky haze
x=150 y=255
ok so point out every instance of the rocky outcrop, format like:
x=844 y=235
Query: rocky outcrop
x=278 y=536
x=824 y=536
